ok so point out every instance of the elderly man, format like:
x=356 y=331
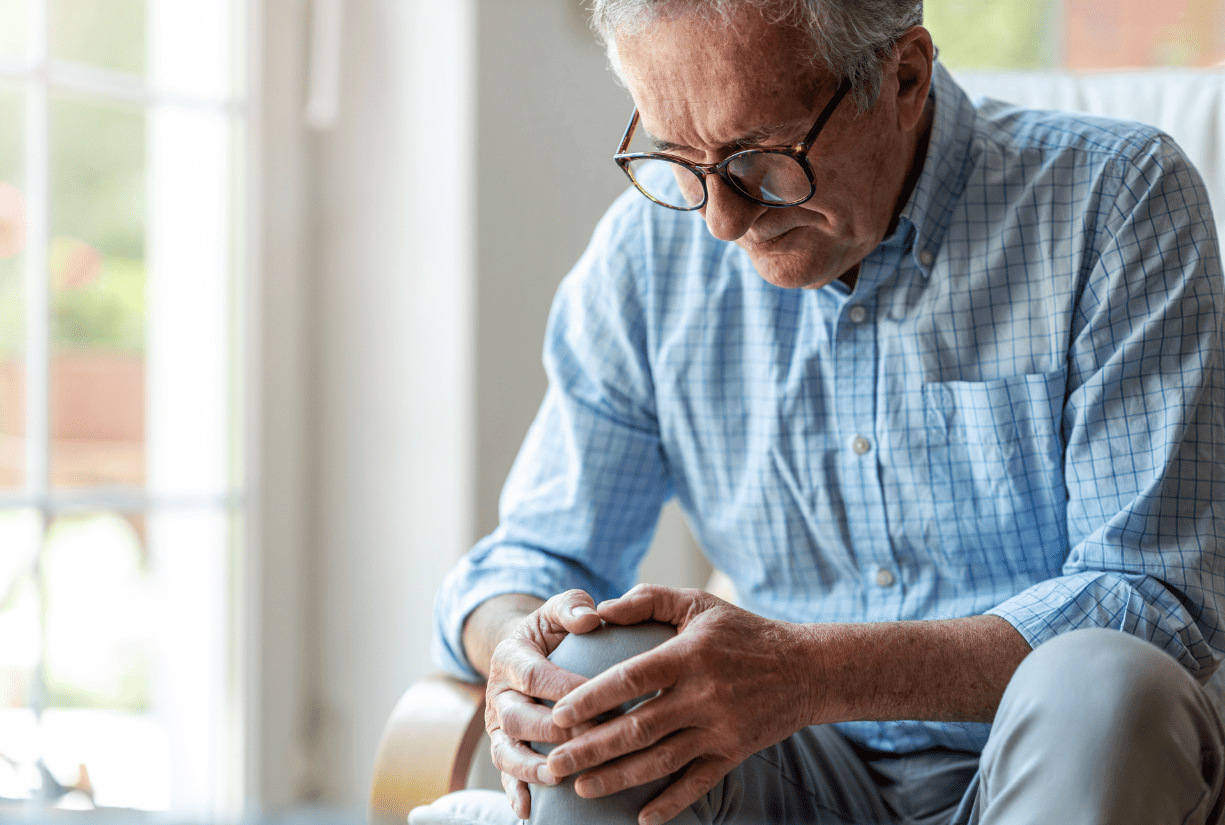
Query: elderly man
x=937 y=386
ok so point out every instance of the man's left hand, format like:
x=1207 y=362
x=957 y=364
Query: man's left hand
x=730 y=684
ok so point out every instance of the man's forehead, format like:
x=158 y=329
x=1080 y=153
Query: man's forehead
x=676 y=63
x=763 y=134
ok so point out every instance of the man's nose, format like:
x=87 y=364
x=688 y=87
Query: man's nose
x=728 y=215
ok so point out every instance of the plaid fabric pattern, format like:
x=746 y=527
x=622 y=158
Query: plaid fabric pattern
x=1019 y=410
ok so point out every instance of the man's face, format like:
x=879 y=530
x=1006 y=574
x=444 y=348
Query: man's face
x=706 y=90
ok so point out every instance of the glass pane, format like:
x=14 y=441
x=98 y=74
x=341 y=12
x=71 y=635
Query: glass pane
x=109 y=34
x=97 y=262
x=102 y=617
x=12 y=289
x=12 y=33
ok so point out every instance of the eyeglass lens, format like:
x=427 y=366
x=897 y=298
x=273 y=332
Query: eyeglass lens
x=769 y=177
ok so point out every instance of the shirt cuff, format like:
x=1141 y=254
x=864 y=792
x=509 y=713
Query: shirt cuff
x=493 y=569
x=1135 y=604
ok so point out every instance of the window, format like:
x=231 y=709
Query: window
x=1077 y=34
x=121 y=502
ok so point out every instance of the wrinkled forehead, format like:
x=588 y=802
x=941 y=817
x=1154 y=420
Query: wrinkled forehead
x=681 y=65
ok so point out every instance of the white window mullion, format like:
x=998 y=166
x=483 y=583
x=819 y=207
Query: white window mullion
x=37 y=286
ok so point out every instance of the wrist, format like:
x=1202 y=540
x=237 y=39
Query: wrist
x=810 y=672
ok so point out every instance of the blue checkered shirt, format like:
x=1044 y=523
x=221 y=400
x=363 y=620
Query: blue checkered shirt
x=1018 y=410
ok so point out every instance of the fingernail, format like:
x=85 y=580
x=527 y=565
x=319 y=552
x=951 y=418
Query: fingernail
x=653 y=819
x=545 y=776
x=592 y=787
x=582 y=610
x=564 y=763
x=565 y=717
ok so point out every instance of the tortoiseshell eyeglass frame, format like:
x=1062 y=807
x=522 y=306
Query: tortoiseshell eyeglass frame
x=798 y=153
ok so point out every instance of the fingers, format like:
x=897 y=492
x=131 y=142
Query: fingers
x=570 y=612
x=576 y=612
x=513 y=757
x=520 y=662
x=640 y=675
x=664 y=759
x=628 y=734
x=521 y=718
x=647 y=602
x=701 y=776
x=518 y=796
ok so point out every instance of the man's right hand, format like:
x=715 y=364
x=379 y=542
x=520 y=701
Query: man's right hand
x=519 y=675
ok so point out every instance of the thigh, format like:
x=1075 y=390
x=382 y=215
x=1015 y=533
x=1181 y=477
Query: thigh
x=813 y=776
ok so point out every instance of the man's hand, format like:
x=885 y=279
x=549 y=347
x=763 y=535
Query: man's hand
x=519 y=674
x=731 y=684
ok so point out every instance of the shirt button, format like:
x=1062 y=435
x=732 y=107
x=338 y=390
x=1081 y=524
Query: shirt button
x=884 y=578
x=861 y=445
x=926 y=257
x=857 y=314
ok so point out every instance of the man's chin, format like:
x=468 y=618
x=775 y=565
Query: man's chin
x=791 y=262
x=793 y=273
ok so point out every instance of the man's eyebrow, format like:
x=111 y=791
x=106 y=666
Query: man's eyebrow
x=758 y=137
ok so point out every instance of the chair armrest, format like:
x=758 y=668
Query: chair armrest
x=427 y=746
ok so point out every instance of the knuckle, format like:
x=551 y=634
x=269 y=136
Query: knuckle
x=670 y=760
x=632 y=677
x=639 y=731
x=496 y=751
x=531 y=680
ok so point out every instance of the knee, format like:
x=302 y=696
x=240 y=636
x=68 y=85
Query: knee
x=589 y=654
x=1097 y=679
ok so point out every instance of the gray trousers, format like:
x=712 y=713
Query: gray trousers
x=1095 y=727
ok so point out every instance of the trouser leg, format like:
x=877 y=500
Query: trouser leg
x=1098 y=727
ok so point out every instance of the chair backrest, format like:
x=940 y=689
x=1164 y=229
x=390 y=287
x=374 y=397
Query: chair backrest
x=1187 y=104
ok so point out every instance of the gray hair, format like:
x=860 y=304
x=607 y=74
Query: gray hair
x=847 y=37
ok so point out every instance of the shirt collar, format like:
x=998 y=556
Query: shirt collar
x=945 y=170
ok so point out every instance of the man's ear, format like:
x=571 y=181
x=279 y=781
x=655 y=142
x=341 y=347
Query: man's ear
x=915 y=55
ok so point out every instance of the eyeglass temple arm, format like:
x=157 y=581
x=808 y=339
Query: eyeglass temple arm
x=826 y=114
x=629 y=131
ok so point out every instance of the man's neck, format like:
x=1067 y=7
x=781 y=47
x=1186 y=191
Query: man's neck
x=922 y=138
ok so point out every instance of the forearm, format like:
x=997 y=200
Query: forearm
x=943 y=670
x=491 y=622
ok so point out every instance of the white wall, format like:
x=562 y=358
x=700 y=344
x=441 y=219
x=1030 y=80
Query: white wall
x=393 y=227
x=469 y=164
x=544 y=91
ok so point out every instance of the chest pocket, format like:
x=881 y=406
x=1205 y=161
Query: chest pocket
x=994 y=471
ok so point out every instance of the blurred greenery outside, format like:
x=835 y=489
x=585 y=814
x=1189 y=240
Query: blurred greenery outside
x=97 y=184
x=1002 y=34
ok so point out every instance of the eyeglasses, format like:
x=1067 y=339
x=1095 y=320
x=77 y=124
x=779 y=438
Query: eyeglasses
x=777 y=176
